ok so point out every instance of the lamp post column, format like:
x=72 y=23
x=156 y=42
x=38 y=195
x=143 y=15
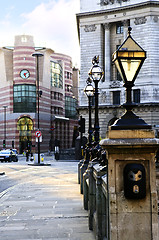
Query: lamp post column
x=129 y=104
x=96 y=74
x=38 y=108
x=37 y=55
x=90 y=122
x=96 y=124
x=89 y=91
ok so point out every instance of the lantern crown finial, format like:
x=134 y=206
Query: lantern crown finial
x=129 y=31
x=88 y=81
x=95 y=60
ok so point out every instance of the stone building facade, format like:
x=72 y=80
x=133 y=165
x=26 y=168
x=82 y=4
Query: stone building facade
x=19 y=96
x=102 y=27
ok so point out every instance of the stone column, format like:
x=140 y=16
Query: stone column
x=107 y=52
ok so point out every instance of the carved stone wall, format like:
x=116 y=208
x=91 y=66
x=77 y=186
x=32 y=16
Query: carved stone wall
x=140 y=20
x=149 y=113
x=90 y=28
x=106 y=2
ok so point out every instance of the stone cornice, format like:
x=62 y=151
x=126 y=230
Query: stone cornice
x=117 y=9
x=113 y=10
x=139 y=105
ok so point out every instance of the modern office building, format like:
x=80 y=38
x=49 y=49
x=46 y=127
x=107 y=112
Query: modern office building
x=102 y=27
x=18 y=99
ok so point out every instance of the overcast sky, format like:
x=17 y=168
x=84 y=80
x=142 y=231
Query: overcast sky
x=52 y=23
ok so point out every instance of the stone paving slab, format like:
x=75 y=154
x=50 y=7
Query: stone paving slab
x=45 y=205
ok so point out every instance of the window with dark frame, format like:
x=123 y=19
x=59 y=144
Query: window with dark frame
x=119 y=28
x=116 y=98
x=136 y=95
x=24 y=98
x=70 y=107
x=68 y=75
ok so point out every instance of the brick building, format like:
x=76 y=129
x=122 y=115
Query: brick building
x=102 y=27
x=18 y=99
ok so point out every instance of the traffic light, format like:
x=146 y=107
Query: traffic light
x=40 y=93
x=29 y=145
x=81 y=123
x=4 y=143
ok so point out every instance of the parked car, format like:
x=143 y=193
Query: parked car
x=8 y=155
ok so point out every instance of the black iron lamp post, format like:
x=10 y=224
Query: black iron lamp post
x=129 y=59
x=96 y=74
x=89 y=91
x=37 y=55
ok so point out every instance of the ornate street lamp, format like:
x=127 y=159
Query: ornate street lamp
x=37 y=55
x=96 y=74
x=89 y=91
x=129 y=59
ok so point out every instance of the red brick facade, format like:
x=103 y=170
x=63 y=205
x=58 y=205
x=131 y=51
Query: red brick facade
x=21 y=126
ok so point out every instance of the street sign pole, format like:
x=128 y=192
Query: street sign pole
x=38 y=135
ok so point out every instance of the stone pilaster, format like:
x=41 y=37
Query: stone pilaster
x=132 y=216
x=107 y=52
x=125 y=24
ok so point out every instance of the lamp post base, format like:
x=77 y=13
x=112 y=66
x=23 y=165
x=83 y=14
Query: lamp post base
x=130 y=121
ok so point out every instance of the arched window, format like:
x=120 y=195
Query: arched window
x=25 y=126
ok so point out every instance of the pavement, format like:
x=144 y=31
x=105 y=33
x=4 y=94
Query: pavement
x=44 y=203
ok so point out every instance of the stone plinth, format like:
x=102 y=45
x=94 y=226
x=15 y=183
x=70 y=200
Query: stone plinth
x=132 y=218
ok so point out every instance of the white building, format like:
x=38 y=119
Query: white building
x=102 y=26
